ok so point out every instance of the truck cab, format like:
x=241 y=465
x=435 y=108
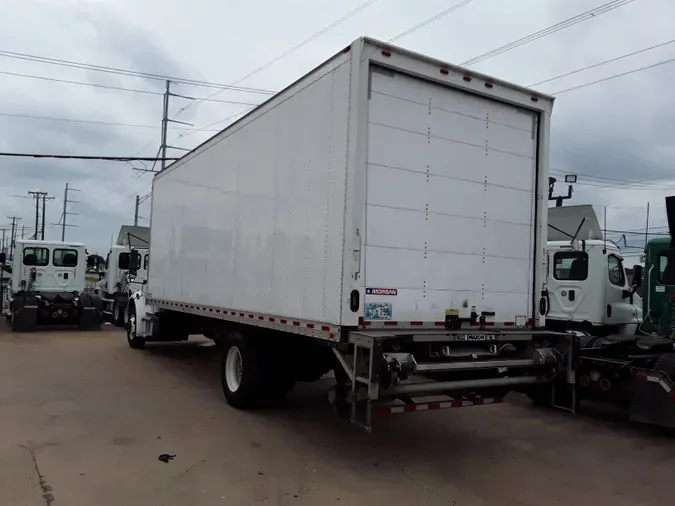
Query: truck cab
x=588 y=289
x=659 y=285
x=114 y=286
x=47 y=285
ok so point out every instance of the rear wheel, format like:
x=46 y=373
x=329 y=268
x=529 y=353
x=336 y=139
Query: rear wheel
x=245 y=377
x=135 y=341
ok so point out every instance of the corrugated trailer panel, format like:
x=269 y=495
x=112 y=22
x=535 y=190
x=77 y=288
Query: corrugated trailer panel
x=451 y=188
x=254 y=220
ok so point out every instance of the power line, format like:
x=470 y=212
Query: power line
x=585 y=16
x=288 y=52
x=129 y=73
x=206 y=128
x=615 y=76
x=605 y=62
x=86 y=157
x=430 y=20
x=89 y=121
x=118 y=88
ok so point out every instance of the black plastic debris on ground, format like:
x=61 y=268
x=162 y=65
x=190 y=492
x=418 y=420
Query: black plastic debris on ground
x=165 y=457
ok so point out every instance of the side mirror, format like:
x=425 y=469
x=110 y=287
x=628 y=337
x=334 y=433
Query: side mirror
x=3 y=258
x=637 y=276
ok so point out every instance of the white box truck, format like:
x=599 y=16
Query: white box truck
x=383 y=216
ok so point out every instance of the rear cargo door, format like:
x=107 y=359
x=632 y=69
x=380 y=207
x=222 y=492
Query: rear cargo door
x=450 y=211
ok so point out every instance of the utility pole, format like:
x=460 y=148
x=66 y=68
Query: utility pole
x=138 y=204
x=139 y=201
x=23 y=229
x=65 y=213
x=12 y=236
x=37 y=196
x=44 y=212
x=165 y=123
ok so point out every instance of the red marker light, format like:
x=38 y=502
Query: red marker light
x=386 y=53
x=489 y=85
x=445 y=71
x=467 y=78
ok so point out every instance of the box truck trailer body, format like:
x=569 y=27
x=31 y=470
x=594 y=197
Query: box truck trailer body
x=375 y=181
x=389 y=205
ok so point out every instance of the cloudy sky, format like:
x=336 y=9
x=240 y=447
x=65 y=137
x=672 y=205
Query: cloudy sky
x=617 y=135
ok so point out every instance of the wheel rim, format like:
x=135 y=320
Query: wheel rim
x=234 y=369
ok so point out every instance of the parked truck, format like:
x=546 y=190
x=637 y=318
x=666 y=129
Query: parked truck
x=383 y=217
x=47 y=286
x=624 y=359
x=114 y=287
x=586 y=279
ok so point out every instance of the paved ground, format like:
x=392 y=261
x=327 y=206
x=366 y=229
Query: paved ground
x=88 y=417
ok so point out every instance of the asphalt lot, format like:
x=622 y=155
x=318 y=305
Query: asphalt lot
x=88 y=417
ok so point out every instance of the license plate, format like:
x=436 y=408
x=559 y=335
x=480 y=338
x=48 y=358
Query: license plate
x=477 y=337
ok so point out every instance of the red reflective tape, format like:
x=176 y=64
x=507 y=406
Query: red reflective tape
x=261 y=317
x=409 y=408
x=498 y=400
x=310 y=325
x=384 y=411
x=233 y=313
x=272 y=319
x=509 y=324
x=390 y=324
x=296 y=324
x=530 y=322
x=456 y=404
x=439 y=324
x=284 y=322
x=434 y=405
x=365 y=323
x=242 y=314
x=251 y=316
x=325 y=328
x=416 y=324
x=478 y=401
x=211 y=309
x=217 y=310
x=331 y=336
x=641 y=377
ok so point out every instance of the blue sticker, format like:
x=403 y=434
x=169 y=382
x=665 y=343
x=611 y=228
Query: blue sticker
x=379 y=311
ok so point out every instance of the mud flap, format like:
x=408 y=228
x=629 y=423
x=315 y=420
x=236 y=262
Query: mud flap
x=90 y=313
x=652 y=399
x=25 y=313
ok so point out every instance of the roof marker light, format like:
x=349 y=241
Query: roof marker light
x=445 y=71
x=534 y=99
x=467 y=78
x=386 y=53
x=489 y=85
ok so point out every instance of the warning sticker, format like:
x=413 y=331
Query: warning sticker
x=381 y=291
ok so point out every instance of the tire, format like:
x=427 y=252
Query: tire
x=135 y=342
x=243 y=375
x=666 y=364
x=338 y=394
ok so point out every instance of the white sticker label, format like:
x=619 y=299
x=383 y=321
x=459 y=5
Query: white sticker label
x=660 y=288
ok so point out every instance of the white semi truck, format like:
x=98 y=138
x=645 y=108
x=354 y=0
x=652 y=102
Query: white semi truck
x=587 y=286
x=114 y=288
x=47 y=286
x=385 y=217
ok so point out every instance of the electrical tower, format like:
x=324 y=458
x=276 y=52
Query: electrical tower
x=65 y=213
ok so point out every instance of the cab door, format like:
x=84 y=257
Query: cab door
x=568 y=285
x=65 y=263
